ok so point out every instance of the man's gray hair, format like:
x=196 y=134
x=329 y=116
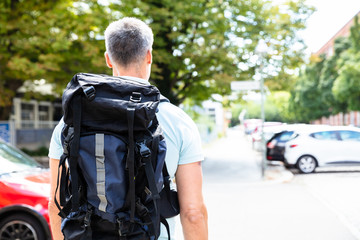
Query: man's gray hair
x=128 y=40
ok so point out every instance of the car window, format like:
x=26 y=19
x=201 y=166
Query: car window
x=349 y=135
x=13 y=160
x=325 y=135
x=285 y=136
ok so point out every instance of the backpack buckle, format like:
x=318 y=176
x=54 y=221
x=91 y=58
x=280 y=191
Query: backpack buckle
x=135 y=97
x=88 y=217
x=90 y=93
x=123 y=227
x=144 y=150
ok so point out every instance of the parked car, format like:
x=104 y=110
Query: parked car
x=24 y=196
x=251 y=124
x=270 y=128
x=275 y=146
x=323 y=146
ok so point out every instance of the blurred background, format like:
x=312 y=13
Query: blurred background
x=273 y=86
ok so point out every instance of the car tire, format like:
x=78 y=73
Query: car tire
x=306 y=164
x=21 y=226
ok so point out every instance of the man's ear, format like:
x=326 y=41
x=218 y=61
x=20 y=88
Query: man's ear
x=108 y=61
x=148 y=57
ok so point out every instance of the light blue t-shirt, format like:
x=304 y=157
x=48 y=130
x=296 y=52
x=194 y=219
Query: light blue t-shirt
x=182 y=141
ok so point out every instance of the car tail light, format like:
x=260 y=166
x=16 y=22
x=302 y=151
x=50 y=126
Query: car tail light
x=293 y=145
x=270 y=145
x=269 y=157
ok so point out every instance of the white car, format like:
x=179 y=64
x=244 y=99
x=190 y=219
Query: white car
x=323 y=146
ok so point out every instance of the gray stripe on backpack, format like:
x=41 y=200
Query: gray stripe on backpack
x=100 y=171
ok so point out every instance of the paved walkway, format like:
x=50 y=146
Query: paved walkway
x=242 y=205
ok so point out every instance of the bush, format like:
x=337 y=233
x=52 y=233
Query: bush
x=41 y=151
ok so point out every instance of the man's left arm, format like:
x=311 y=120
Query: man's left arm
x=193 y=212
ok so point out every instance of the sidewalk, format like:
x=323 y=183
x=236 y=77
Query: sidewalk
x=236 y=149
x=243 y=205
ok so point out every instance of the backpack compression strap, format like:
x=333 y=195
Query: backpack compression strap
x=130 y=161
x=74 y=151
x=62 y=212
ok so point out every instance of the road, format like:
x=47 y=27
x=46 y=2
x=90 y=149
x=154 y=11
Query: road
x=241 y=205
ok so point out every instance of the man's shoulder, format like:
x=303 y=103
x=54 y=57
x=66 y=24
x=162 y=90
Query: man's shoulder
x=173 y=113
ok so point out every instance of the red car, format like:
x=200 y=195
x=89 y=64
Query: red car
x=24 y=196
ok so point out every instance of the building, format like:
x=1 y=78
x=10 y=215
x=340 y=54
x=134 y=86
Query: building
x=351 y=118
x=34 y=120
x=328 y=48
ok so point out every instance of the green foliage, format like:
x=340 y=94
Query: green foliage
x=347 y=84
x=306 y=102
x=48 y=39
x=276 y=108
x=330 y=85
x=328 y=76
x=279 y=100
x=200 y=46
x=41 y=151
x=313 y=95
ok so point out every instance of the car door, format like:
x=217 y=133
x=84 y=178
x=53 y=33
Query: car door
x=349 y=146
x=325 y=146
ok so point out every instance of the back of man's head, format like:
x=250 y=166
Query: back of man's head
x=128 y=40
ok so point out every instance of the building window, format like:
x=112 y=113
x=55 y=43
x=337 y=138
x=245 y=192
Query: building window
x=211 y=112
x=27 y=115
x=43 y=113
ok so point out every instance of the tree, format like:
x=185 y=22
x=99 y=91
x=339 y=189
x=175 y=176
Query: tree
x=313 y=96
x=200 y=45
x=276 y=108
x=328 y=75
x=347 y=85
x=305 y=100
x=49 y=40
x=280 y=101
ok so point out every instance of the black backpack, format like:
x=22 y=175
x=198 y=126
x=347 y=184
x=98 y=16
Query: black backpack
x=113 y=182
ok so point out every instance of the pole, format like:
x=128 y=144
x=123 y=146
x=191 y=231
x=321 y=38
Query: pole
x=261 y=51
x=263 y=147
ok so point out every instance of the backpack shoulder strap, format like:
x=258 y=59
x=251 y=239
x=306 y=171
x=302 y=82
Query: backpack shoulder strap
x=164 y=99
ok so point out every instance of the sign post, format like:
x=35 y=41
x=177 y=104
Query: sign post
x=261 y=50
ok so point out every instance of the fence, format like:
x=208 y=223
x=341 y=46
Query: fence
x=35 y=134
x=27 y=134
x=351 y=118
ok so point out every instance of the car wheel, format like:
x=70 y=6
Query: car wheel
x=306 y=164
x=21 y=226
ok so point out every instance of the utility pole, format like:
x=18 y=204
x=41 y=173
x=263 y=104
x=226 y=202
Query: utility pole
x=261 y=50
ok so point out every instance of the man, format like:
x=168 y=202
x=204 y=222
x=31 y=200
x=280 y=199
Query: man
x=129 y=54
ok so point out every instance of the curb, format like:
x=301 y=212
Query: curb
x=278 y=174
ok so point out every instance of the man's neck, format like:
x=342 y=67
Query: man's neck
x=131 y=72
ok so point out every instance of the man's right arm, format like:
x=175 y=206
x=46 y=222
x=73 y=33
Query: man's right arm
x=193 y=212
x=55 y=151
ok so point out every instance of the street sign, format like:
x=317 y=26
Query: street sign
x=245 y=85
x=7 y=132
